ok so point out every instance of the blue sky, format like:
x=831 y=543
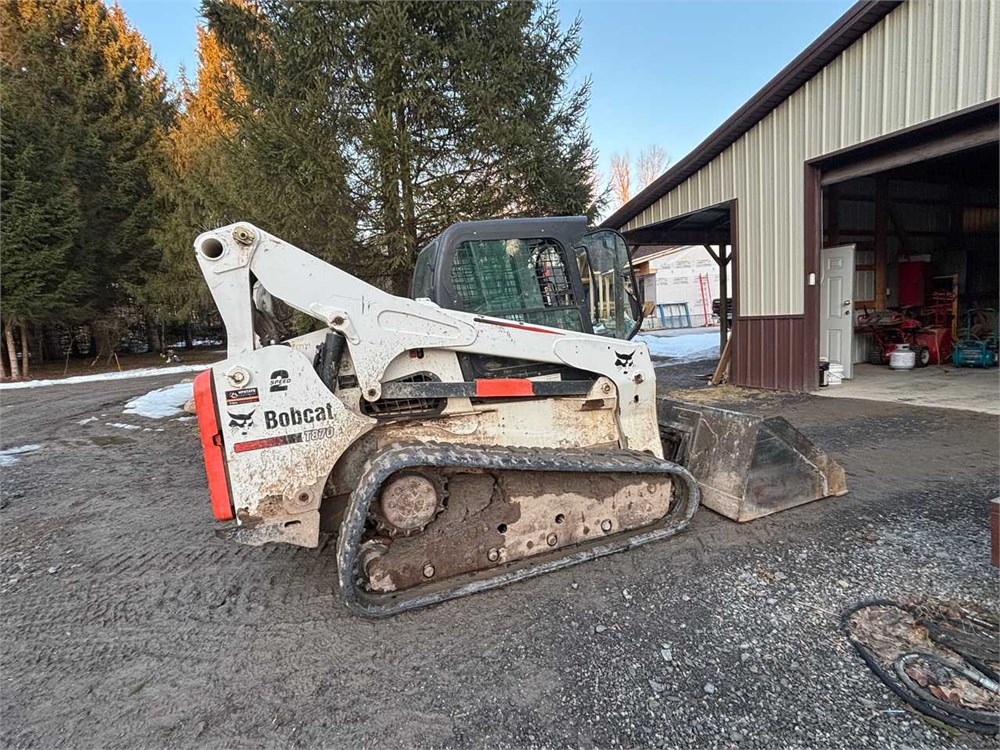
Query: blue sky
x=665 y=73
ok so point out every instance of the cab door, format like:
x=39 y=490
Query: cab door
x=609 y=284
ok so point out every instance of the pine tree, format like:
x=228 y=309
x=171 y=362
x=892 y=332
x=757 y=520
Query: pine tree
x=124 y=149
x=290 y=150
x=85 y=108
x=39 y=202
x=375 y=125
x=195 y=185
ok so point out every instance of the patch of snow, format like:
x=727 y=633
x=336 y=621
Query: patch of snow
x=688 y=348
x=146 y=372
x=195 y=342
x=163 y=402
x=9 y=456
x=88 y=420
x=123 y=426
x=184 y=419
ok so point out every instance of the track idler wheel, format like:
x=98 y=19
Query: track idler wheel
x=408 y=502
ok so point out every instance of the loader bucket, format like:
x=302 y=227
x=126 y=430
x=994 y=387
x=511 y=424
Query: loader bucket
x=747 y=466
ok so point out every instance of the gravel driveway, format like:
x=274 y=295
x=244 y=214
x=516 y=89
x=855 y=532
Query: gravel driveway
x=127 y=624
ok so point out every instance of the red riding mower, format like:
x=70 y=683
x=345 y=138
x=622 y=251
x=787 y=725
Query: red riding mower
x=889 y=329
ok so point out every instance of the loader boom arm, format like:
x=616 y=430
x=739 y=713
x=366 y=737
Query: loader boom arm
x=379 y=327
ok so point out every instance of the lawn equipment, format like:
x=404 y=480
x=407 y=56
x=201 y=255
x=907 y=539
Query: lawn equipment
x=889 y=329
x=496 y=426
x=977 y=342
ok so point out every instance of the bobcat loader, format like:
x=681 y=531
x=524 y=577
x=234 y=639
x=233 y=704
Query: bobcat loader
x=497 y=425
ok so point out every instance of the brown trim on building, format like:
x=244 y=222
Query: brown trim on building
x=734 y=240
x=771 y=353
x=846 y=30
x=977 y=112
x=933 y=147
x=813 y=235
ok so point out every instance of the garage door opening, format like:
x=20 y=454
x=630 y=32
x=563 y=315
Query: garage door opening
x=922 y=238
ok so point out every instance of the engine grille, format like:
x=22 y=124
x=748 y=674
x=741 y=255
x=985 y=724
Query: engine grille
x=386 y=408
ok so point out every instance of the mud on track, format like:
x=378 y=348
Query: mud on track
x=151 y=632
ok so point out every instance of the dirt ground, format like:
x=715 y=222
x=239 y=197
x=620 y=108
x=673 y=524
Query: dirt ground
x=126 y=623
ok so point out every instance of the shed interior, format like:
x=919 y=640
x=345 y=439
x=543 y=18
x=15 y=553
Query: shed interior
x=927 y=258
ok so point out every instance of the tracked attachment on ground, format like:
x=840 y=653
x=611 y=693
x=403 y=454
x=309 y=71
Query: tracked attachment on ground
x=509 y=514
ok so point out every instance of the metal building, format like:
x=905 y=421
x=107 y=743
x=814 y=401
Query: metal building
x=897 y=101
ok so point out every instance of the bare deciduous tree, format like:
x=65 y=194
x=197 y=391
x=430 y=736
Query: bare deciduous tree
x=621 y=177
x=650 y=164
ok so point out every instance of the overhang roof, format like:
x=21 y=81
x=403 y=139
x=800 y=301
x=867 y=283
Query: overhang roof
x=707 y=226
x=847 y=29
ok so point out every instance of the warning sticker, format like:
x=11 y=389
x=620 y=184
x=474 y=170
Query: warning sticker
x=242 y=396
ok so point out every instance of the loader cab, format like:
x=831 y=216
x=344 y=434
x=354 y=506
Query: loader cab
x=550 y=272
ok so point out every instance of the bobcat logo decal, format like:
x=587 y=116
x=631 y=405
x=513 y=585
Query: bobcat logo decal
x=624 y=361
x=241 y=422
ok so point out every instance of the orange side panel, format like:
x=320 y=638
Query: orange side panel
x=211 y=447
x=504 y=388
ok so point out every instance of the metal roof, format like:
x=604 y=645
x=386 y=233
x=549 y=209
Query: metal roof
x=861 y=17
x=708 y=226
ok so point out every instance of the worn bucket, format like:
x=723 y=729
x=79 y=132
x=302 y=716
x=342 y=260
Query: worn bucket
x=747 y=466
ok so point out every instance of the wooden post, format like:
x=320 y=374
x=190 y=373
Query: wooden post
x=722 y=369
x=723 y=299
x=722 y=259
x=881 y=238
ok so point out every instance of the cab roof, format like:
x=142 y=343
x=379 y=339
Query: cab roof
x=567 y=230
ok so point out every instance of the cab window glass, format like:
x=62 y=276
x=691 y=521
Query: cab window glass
x=518 y=279
x=608 y=284
x=423 y=274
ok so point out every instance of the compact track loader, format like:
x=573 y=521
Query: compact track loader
x=495 y=426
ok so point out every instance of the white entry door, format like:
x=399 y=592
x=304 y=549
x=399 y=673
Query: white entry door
x=836 y=306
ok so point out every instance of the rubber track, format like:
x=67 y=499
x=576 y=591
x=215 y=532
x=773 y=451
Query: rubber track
x=443 y=455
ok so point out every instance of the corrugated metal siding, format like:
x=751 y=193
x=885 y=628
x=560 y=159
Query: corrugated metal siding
x=769 y=353
x=926 y=59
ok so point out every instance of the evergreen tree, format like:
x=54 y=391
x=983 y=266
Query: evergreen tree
x=195 y=185
x=289 y=152
x=375 y=125
x=86 y=109
x=40 y=215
